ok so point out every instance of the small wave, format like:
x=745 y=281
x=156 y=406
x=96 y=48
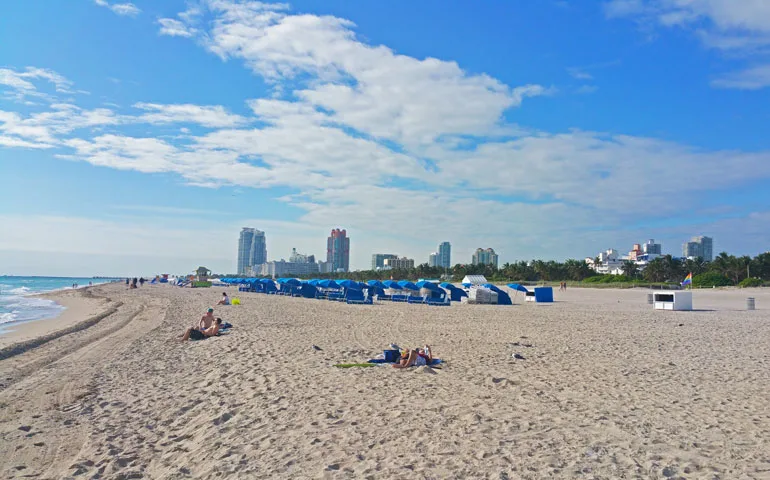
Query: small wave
x=19 y=291
x=23 y=309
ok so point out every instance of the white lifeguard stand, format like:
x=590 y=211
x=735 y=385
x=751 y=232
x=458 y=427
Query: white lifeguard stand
x=672 y=300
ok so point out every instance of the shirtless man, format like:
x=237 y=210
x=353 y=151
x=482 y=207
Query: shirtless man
x=207 y=320
x=196 y=334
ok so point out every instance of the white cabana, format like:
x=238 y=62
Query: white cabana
x=475 y=279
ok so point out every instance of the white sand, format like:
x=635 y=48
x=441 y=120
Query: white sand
x=609 y=389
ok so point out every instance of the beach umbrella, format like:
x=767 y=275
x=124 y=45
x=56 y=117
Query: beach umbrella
x=517 y=288
x=467 y=285
x=376 y=283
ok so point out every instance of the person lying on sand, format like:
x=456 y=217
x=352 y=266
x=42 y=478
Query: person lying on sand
x=415 y=358
x=207 y=320
x=199 y=334
x=225 y=299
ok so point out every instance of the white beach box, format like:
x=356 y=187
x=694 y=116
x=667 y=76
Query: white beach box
x=672 y=300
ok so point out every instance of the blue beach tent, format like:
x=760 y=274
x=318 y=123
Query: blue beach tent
x=455 y=293
x=502 y=297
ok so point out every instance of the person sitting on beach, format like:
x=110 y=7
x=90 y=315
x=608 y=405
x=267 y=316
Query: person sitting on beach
x=207 y=320
x=201 y=334
x=415 y=358
x=225 y=299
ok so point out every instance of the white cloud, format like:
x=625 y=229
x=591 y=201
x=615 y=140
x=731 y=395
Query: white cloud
x=175 y=28
x=736 y=26
x=21 y=83
x=123 y=9
x=209 y=116
x=751 y=79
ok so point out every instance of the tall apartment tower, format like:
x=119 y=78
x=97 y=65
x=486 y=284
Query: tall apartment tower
x=484 y=256
x=252 y=249
x=244 y=249
x=444 y=255
x=702 y=247
x=378 y=259
x=338 y=250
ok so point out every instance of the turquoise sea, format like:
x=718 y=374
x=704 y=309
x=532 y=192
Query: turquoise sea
x=16 y=305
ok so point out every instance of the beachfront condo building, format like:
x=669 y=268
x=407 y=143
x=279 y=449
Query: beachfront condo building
x=378 y=260
x=433 y=259
x=484 y=256
x=338 y=250
x=402 y=263
x=652 y=248
x=252 y=249
x=444 y=255
x=699 y=247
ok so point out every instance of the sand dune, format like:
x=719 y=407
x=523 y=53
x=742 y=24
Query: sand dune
x=608 y=388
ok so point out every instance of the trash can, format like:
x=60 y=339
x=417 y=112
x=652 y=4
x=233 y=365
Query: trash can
x=650 y=297
x=750 y=303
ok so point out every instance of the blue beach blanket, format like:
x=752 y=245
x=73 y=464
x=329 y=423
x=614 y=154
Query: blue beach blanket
x=435 y=361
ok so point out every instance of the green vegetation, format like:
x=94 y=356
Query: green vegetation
x=750 y=282
x=662 y=271
x=710 y=279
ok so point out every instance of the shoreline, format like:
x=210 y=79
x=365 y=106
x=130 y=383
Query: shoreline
x=78 y=306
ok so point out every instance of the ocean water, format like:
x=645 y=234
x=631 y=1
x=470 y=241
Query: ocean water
x=16 y=305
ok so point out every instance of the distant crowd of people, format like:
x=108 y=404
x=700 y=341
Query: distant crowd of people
x=131 y=283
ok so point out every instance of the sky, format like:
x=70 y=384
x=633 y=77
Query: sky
x=138 y=138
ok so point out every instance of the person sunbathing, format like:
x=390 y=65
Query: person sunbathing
x=415 y=358
x=207 y=320
x=225 y=299
x=201 y=334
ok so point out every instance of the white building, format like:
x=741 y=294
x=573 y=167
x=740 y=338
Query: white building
x=609 y=263
x=282 y=268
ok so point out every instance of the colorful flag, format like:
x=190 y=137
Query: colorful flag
x=687 y=279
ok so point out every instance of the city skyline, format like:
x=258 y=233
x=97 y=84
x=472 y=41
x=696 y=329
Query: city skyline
x=374 y=116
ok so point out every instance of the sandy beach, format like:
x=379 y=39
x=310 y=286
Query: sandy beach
x=608 y=388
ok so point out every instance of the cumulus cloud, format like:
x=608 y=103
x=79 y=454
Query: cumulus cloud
x=20 y=84
x=383 y=142
x=175 y=28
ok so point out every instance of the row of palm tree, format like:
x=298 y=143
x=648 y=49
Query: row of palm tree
x=662 y=269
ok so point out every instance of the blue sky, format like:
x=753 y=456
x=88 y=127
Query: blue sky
x=139 y=137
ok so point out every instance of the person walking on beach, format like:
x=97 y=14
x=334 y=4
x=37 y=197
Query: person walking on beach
x=141 y=281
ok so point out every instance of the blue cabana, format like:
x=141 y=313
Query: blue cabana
x=502 y=297
x=306 y=290
x=350 y=284
x=455 y=293
x=376 y=283
x=392 y=284
x=407 y=285
x=330 y=284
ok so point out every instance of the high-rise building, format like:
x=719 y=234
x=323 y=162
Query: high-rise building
x=244 y=250
x=702 y=247
x=652 y=248
x=433 y=260
x=444 y=257
x=258 y=248
x=338 y=250
x=252 y=249
x=484 y=256
x=297 y=257
x=378 y=260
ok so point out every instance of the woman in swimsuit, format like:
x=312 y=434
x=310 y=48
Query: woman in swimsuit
x=415 y=358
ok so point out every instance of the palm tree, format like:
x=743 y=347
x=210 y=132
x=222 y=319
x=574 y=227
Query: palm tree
x=630 y=269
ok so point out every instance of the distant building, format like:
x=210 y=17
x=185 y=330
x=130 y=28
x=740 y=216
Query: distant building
x=338 y=250
x=202 y=274
x=297 y=257
x=324 y=267
x=402 y=263
x=699 y=247
x=433 y=260
x=484 y=256
x=378 y=260
x=282 y=268
x=652 y=248
x=444 y=255
x=252 y=249
x=607 y=262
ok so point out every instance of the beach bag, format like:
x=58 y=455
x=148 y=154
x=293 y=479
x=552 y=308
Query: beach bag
x=392 y=356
